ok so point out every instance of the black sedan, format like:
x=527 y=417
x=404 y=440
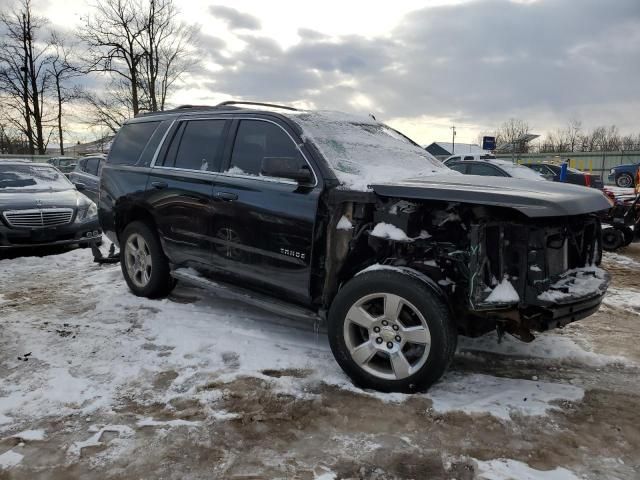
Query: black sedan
x=39 y=206
x=574 y=176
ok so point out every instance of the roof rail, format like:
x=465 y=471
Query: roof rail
x=185 y=107
x=273 y=105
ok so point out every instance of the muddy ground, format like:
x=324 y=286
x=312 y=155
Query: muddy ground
x=267 y=432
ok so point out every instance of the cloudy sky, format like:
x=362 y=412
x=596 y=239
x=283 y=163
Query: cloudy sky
x=421 y=66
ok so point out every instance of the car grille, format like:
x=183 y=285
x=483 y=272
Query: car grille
x=38 y=218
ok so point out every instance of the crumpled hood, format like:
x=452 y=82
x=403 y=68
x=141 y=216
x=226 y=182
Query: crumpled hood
x=532 y=198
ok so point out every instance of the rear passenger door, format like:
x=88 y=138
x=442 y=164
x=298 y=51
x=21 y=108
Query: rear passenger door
x=180 y=188
x=263 y=226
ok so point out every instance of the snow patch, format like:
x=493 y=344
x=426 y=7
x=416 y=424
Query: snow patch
x=344 y=224
x=95 y=439
x=500 y=397
x=235 y=171
x=10 y=459
x=625 y=299
x=505 y=469
x=30 y=435
x=577 y=282
x=389 y=232
x=546 y=346
x=503 y=293
x=150 y=422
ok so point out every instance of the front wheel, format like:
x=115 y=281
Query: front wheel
x=391 y=332
x=624 y=180
x=144 y=265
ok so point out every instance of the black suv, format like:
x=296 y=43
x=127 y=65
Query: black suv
x=310 y=215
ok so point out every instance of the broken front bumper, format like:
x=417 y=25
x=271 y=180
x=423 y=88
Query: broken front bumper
x=576 y=295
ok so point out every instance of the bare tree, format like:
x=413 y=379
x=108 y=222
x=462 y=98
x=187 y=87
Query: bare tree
x=62 y=69
x=24 y=73
x=110 y=110
x=144 y=47
x=113 y=33
x=573 y=134
x=511 y=133
x=167 y=45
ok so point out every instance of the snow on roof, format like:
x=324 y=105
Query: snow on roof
x=362 y=151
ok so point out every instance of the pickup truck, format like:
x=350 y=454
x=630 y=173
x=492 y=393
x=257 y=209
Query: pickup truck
x=344 y=220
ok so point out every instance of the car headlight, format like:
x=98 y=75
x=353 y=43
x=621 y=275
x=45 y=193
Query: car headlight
x=87 y=212
x=613 y=170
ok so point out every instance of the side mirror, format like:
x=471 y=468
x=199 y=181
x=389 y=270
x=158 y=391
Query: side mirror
x=80 y=187
x=286 y=167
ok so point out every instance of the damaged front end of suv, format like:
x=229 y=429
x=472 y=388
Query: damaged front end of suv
x=502 y=257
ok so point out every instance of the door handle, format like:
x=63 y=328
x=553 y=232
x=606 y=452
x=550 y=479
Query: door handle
x=159 y=185
x=226 y=196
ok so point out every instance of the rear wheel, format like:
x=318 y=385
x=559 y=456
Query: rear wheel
x=625 y=180
x=628 y=236
x=143 y=263
x=391 y=332
x=612 y=239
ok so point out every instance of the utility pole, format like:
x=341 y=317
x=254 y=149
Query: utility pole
x=453 y=139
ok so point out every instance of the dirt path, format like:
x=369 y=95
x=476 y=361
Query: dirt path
x=112 y=392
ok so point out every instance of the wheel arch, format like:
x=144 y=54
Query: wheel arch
x=416 y=274
x=133 y=213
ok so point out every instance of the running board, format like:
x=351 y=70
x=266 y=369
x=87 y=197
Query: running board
x=233 y=292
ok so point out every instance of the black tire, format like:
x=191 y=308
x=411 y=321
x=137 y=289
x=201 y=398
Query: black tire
x=625 y=180
x=160 y=282
x=628 y=236
x=443 y=334
x=612 y=239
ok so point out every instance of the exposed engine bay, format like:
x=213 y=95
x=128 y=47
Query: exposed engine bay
x=496 y=267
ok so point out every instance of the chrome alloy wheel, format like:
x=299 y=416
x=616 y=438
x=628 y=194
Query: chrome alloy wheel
x=387 y=336
x=138 y=260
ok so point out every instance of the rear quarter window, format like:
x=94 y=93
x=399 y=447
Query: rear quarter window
x=130 y=142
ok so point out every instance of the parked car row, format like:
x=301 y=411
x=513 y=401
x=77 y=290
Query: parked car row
x=489 y=165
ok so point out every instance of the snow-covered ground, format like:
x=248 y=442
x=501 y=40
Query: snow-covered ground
x=94 y=380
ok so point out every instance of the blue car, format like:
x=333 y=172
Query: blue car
x=624 y=175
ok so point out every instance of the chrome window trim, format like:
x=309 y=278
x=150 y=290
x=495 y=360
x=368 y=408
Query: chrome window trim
x=233 y=175
x=161 y=143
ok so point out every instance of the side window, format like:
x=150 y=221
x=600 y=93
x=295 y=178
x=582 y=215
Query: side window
x=92 y=166
x=486 y=170
x=82 y=165
x=469 y=157
x=257 y=140
x=458 y=167
x=196 y=145
x=454 y=159
x=537 y=168
x=130 y=142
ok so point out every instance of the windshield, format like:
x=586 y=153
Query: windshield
x=362 y=152
x=520 y=171
x=32 y=177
